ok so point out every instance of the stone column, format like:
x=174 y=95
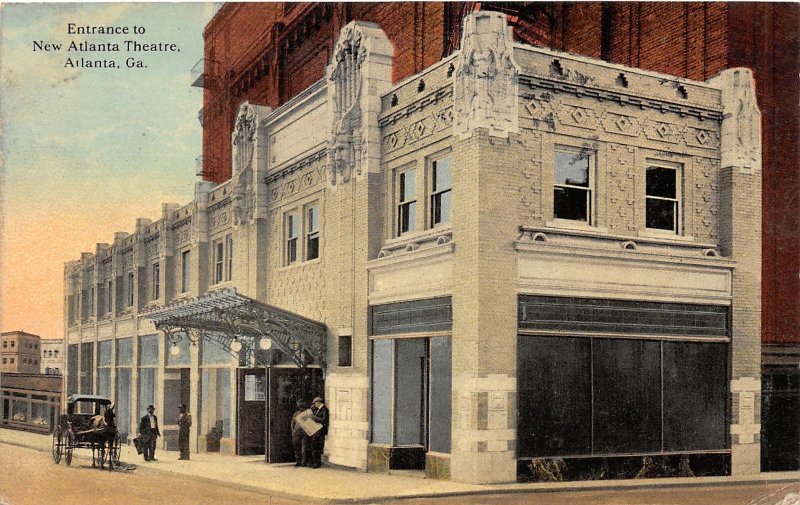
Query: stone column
x=740 y=239
x=485 y=262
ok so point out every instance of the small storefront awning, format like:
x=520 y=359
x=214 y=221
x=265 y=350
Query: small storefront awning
x=242 y=325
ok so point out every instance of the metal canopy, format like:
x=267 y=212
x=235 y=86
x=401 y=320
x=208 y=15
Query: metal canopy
x=224 y=316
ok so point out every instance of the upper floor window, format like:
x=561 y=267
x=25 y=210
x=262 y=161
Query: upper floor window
x=663 y=198
x=155 y=281
x=185 y=272
x=5 y=343
x=312 y=232
x=130 y=289
x=406 y=201
x=229 y=253
x=91 y=302
x=573 y=184
x=441 y=191
x=292 y=226
x=110 y=294
x=219 y=260
x=12 y=343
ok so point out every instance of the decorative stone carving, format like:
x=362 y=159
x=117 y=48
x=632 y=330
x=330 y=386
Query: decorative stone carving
x=741 y=123
x=622 y=170
x=243 y=142
x=345 y=147
x=487 y=79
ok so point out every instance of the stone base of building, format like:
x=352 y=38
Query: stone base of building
x=746 y=459
x=437 y=466
x=484 y=467
x=221 y=445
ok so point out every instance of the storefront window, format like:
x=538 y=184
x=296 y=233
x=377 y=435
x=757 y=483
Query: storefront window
x=441 y=394
x=382 y=372
x=216 y=406
x=124 y=351
x=123 y=400
x=148 y=350
x=147 y=389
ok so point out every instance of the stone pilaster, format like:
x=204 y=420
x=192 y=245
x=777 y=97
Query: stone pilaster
x=740 y=239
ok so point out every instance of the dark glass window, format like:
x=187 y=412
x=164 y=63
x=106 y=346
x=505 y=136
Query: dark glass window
x=312 y=237
x=219 y=261
x=345 y=350
x=229 y=247
x=695 y=395
x=130 y=289
x=662 y=198
x=555 y=396
x=441 y=390
x=148 y=349
x=441 y=192
x=185 y=272
x=572 y=192
x=156 y=282
x=627 y=396
x=406 y=201
x=410 y=385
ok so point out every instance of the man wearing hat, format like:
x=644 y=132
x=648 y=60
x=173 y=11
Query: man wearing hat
x=148 y=433
x=321 y=415
x=299 y=437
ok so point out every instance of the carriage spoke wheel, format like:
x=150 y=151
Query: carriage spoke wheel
x=69 y=445
x=57 y=444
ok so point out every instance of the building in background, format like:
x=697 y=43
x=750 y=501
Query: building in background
x=20 y=352
x=52 y=359
x=498 y=263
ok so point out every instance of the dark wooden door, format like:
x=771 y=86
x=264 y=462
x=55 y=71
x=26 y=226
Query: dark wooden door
x=286 y=386
x=251 y=411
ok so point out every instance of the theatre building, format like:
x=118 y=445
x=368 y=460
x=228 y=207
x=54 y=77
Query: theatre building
x=517 y=263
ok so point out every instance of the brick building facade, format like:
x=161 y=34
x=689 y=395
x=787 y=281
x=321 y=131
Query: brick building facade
x=501 y=228
x=20 y=351
x=268 y=53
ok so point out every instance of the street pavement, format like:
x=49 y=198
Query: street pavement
x=249 y=474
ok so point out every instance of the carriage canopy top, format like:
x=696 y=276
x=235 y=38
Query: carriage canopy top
x=102 y=400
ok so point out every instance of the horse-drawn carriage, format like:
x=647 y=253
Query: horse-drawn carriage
x=90 y=424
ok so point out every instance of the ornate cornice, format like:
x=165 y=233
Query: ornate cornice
x=178 y=224
x=294 y=167
x=416 y=106
x=225 y=201
x=621 y=98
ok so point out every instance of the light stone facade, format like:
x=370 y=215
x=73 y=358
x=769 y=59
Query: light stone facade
x=499 y=112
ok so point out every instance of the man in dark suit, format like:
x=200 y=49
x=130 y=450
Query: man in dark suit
x=321 y=415
x=148 y=433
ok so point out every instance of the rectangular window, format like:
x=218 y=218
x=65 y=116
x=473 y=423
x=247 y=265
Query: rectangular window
x=662 y=212
x=345 y=350
x=441 y=192
x=219 y=260
x=130 y=289
x=185 y=271
x=312 y=233
x=229 y=252
x=572 y=190
x=91 y=302
x=156 y=282
x=292 y=226
x=406 y=201
x=110 y=297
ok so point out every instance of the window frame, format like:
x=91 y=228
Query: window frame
x=218 y=261
x=185 y=272
x=311 y=226
x=402 y=203
x=590 y=188
x=678 y=214
x=131 y=278
x=291 y=229
x=228 y=257
x=155 y=281
x=436 y=194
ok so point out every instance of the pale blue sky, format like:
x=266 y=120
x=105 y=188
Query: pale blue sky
x=87 y=151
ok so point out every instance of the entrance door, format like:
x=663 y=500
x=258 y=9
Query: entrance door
x=286 y=386
x=252 y=394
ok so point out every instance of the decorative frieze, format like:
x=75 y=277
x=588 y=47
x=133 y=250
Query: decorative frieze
x=620 y=188
x=425 y=127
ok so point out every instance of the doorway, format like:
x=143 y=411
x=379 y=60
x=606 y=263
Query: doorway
x=252 y=395
x=286 y=387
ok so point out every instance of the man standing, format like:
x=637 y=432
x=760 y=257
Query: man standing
x=184 y=423
x=148 y=432
x=321 y=415
x=299 y=437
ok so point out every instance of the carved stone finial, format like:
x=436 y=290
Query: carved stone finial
x=741 y=124
x=243 y=138
x=487 y=79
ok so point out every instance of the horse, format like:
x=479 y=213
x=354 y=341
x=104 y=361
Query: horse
x=101 y=433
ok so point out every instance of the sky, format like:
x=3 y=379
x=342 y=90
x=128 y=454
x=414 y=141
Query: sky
x=85 y=151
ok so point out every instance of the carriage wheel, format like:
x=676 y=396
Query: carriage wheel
x=57 y=444
x=69 y=445
x=114 y=449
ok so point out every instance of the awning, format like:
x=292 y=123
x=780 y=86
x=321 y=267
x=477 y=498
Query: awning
x=225 y=317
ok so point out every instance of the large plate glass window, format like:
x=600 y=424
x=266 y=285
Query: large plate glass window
x=572 y=189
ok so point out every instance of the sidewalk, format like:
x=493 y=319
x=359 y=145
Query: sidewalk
x=338 y=485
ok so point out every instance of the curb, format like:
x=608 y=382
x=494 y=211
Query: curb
x=565 y=487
